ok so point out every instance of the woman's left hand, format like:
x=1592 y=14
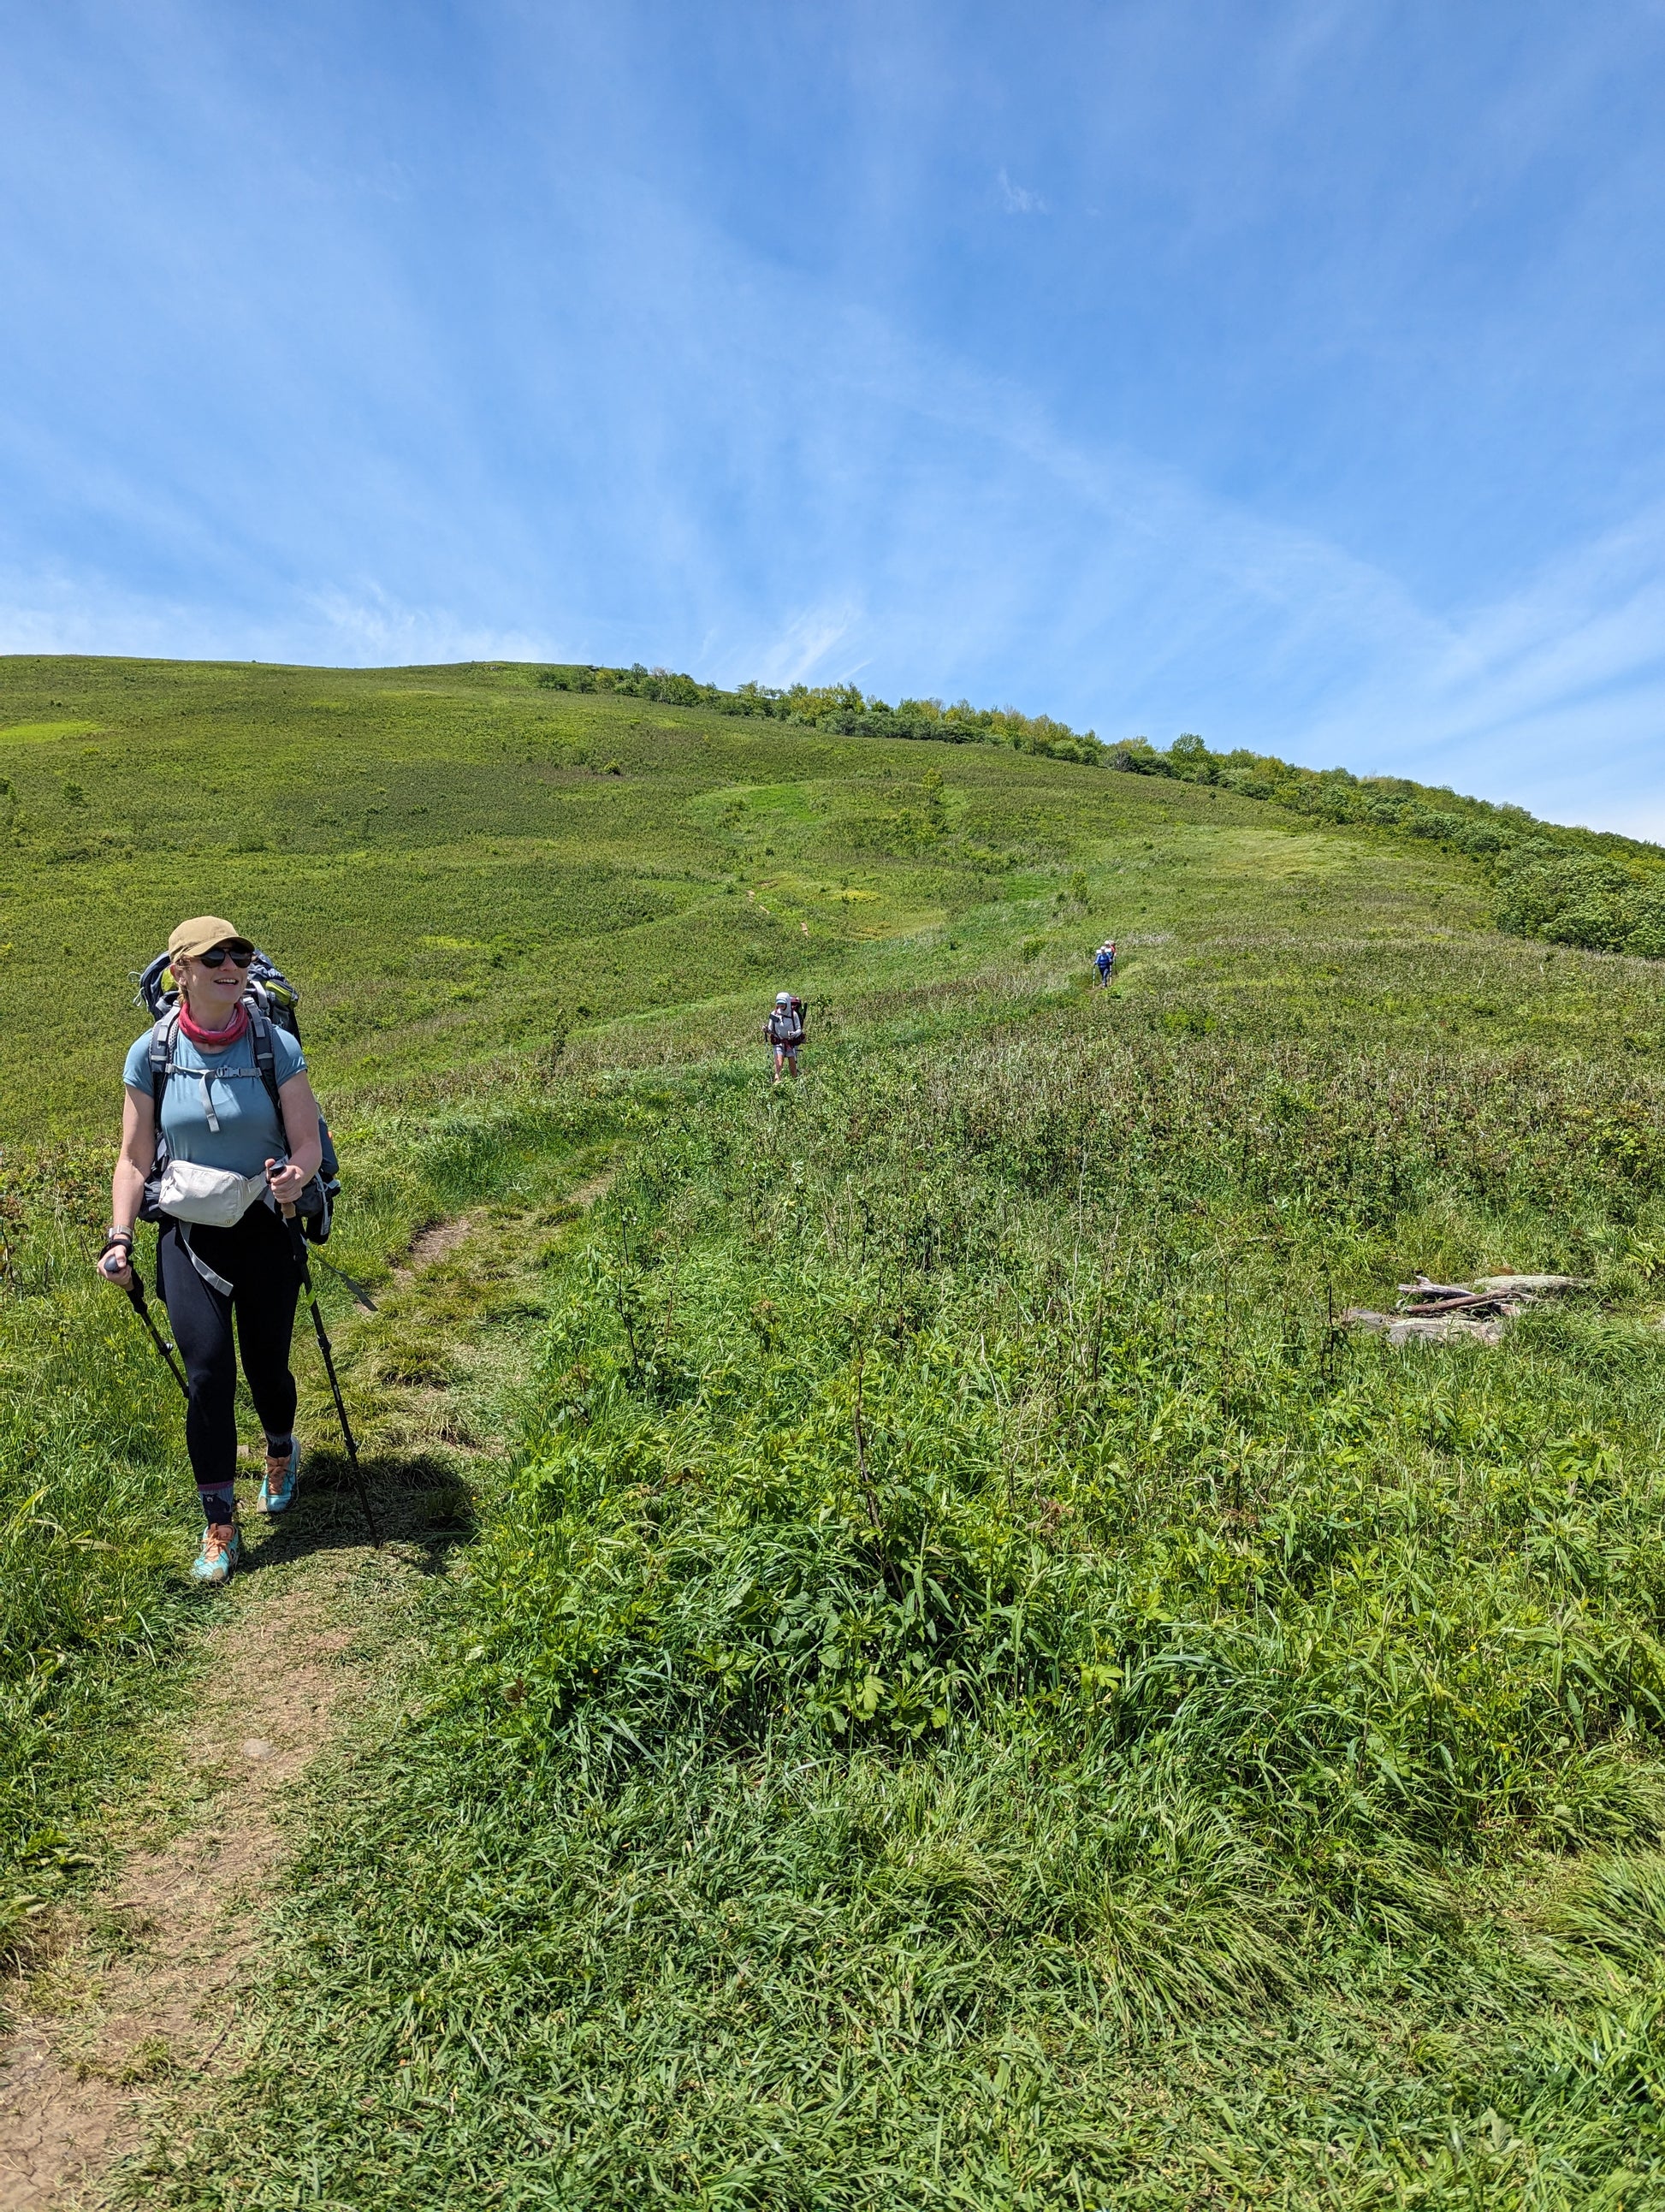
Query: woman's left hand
x=287 y=1182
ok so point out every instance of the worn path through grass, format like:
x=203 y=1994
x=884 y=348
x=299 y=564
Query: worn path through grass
x=133 y=2001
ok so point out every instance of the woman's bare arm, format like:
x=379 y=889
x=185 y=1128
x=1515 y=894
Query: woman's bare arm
x=133 y=1163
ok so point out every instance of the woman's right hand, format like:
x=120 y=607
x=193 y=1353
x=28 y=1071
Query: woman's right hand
x=121 y=1273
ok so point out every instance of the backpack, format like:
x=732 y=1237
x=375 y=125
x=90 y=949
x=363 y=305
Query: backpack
x=791 y=1033
x=271 y=1000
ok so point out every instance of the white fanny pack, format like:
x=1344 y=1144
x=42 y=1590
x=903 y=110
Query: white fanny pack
x=214 y=1197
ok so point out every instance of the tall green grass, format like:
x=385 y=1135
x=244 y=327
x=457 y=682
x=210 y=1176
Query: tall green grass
x=471 y=881
x=977 y=1693
x=91 y=1521
x=974 y=1690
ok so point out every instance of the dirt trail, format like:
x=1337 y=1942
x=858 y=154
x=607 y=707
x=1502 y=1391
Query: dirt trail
x=436 y=1243
x=139 y=1987
x=137 y=1990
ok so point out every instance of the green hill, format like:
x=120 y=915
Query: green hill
x=459 y=863
x=963 y=1685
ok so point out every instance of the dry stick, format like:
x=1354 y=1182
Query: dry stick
x=1226 y=1350
x=861 y=1446
x=670 y=1308
x=1457 y=1305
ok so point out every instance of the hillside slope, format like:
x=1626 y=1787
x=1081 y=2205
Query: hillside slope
x=456 y=863
x=965 y=1685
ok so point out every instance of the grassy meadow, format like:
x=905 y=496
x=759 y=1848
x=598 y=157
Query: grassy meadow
x=967 y=1687
x=458 y=864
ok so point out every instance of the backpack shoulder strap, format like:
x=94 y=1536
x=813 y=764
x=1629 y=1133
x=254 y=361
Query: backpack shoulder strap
x=160 y=1057
x=266 y=1056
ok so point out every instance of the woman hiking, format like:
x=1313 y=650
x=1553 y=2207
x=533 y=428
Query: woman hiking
x=234 y=1156
x=785 y=1030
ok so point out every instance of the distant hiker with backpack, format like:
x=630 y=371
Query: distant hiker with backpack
x=785 y=1030
x=220 y=1130
x=1104 y=961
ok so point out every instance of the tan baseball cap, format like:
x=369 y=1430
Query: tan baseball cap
x=192 y=939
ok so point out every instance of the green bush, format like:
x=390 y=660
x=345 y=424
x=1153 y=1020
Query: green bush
x=842 y=710
x=1574 y=899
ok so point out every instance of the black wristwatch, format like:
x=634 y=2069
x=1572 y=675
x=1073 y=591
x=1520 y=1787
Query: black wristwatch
x=118 y=1237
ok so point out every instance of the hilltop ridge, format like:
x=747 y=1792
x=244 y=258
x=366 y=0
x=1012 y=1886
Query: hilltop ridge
x=1591 y=888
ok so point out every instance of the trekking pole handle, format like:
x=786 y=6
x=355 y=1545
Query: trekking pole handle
x=118 y=1248
x=288 y=1212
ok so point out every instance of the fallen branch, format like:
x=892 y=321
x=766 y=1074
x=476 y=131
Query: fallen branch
x=1441 y=1313
x=1460 y=1299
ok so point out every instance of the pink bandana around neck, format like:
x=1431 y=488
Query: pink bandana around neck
x=212 y=1040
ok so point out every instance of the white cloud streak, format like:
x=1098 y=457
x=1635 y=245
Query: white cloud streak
x=1016 y=199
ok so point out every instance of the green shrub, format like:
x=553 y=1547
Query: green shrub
x=1574 y=899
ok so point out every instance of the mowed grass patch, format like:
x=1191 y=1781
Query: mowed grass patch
x=25 y=734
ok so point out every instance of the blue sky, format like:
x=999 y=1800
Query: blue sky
x=1288 y=373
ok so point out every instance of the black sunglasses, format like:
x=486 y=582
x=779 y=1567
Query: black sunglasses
x=239 y=956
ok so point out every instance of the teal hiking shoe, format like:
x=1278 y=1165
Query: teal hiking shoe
x=216 y=1562
x=278 y=1491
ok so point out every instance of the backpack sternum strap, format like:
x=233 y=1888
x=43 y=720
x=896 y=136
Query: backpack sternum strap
x=160 y=1054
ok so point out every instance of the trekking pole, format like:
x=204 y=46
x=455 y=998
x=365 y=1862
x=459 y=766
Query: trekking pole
x=135 y=1289
x=352 y=1283
x=298 y=1243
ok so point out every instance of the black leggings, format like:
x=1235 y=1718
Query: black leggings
x=256 y=1259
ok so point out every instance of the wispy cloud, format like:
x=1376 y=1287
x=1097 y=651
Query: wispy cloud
x=353 y=627
x=368 y=624
x=1554 y=695
x=1017 y=199
x=802 y=649
x=53 y=611
x=945 y=535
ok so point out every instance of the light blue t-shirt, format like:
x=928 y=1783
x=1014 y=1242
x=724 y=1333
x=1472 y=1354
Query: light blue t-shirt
x=250 y=1133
